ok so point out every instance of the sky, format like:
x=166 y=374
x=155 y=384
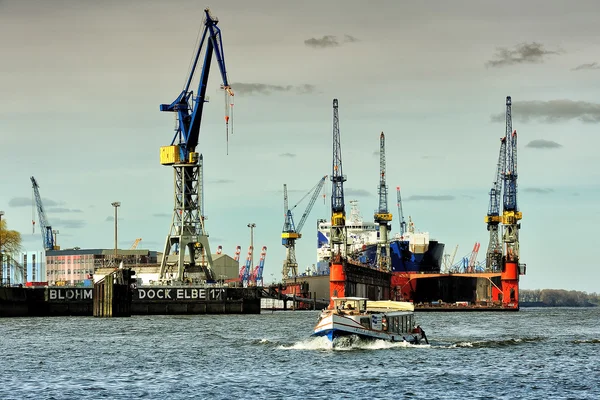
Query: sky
x=81 y=84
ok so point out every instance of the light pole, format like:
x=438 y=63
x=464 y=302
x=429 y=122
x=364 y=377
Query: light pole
x=116 y=205
x=1 y=251
x=251 y=225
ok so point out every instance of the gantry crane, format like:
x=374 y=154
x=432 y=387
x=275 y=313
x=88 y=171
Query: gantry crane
x=511 y=214
x=493 y=218
x=401 y=220
x=257 y=274
x=187 y=232
x=338 y=211
x=382 y=216
x=290 y=232
x=48 y=238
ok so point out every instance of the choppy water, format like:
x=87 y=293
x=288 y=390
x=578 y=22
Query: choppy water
x=532 y=354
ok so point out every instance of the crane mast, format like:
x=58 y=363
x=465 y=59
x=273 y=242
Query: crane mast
x=187 y=232
x=401 y=220
x=493 y=218
x=45 y=228
x=338 y=212
x=290 y=232
x=382 y=216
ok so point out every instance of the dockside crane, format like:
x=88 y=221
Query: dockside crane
x=511 y=214
x=257 y=274
x=187 y=232
x=290 y=232
x=48 y=238
x=401 y=220
x=338 y=211
x=382 y=216
x=493 y=259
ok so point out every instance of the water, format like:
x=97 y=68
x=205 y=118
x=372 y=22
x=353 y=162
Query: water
x=533 y=354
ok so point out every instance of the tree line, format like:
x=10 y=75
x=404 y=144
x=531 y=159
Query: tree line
x=559 y=298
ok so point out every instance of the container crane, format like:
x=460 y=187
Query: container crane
x=510 y=216
x=401 y=220
x=290 y=232
x=382 y=216
x=257 y=274
x=187 y=232
x=48 y=239
x=493 y=218
x=245 y=270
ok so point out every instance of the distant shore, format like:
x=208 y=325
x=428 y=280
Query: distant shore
x=542 y=304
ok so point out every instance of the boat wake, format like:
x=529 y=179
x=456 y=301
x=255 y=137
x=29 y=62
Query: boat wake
x=495 y=343
x=348 y=343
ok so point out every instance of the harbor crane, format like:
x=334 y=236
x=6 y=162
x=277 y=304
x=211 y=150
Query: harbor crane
x=382 y=216
x=401 y=220
x=338 y=211
x=187 y=232
x=511 y=269
x=257 y=274
x=48 y=238
x=290 y=232
x=493 y=218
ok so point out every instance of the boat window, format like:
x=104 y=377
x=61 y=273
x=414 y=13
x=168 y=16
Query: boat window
x=396 y=326
x=366 y=322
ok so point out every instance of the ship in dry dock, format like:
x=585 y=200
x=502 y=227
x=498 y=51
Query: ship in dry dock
x=356 y=258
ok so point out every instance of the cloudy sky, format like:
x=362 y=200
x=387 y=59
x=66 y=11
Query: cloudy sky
x=81 y=84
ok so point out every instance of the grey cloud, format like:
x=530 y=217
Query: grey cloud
x=110 y=218
x=442 y=197
x=539 y=190
x=26 y=202
x=221 y=181
x=63 y=210
x=553 y=111
x=593 y=65
x=68 y=223
x=158 y=215
x=329 y=41
x=376 y=153
x=264 y=88
x=287 y=155
x=543 y=144
x=523 y=53
x=357 y=192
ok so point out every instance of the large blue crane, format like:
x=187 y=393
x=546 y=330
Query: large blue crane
x=493 y=217
x=290 y=232
x=382 y=216
x=45 y=228
x=187 y=228
x=338 y=211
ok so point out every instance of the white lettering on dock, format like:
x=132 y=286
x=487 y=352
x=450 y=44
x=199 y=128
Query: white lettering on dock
x=70 y=294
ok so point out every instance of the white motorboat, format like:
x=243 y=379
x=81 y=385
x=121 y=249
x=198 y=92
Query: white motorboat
x=383 y=319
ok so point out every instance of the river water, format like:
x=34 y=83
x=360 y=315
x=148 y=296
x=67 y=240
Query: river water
x=536 y=353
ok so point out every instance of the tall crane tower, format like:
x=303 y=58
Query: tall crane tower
x=338 y=211
x=291 y=232
x=511 y=214
x=493 y=217
x=382 y=216
x=401 y=220
x=187 y=232
x=48 y=239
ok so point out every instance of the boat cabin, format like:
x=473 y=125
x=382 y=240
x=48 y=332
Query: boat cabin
x=350 y=303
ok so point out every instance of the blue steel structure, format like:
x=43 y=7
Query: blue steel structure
x=290 y=232
x=401 y=220
x=338 y=211
x=45 y=228
x=187 y=233
x=511 y=214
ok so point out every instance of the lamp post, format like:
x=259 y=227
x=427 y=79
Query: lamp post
x=1 y=251
x=251 y=225
x=116 y=205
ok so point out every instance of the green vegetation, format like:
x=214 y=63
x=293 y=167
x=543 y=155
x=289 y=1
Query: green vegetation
x=559 y=298
x=10 y=241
